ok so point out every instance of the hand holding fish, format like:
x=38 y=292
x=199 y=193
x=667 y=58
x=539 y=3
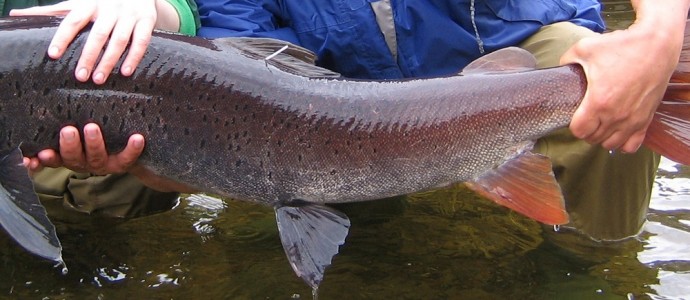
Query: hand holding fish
x=627 y=72
x=92 y=157
x=116 y=23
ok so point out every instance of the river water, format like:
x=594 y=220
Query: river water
x=445 y=244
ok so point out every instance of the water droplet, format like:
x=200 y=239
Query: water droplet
x=315 y=293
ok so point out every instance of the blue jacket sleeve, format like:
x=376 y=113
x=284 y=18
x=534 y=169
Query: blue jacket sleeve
x=232 y=18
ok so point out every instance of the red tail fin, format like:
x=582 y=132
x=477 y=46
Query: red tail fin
x=669 y=133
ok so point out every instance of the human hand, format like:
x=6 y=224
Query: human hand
x=627 y=73
x=116 y=22
x=91 y=157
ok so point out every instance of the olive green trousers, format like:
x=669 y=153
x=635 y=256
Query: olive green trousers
x=606 y=194
x=115 y=195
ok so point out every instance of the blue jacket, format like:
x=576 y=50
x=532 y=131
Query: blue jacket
x=433 y=37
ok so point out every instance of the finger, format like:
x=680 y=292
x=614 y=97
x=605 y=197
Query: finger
x=49 y=158
x=70 y=26
x=71 y=151
x=117 y=44
x=96 y=154
x=58 y=9
x=127 y=158
x=584 y=123
x=32 y=165
x=634 y=142
x=98 y=36
x=140 y=41
x=614 y=141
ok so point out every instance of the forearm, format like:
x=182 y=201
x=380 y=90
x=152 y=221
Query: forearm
x=175 y=15
x=661 y=21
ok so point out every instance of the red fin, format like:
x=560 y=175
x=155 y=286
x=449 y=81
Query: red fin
x=669 y=132
x=527 y=185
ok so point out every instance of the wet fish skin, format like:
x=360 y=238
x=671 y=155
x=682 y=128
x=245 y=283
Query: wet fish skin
x=238 y=128
x=220 y=117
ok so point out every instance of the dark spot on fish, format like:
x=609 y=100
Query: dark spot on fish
x=31 y=109
x=238 y=148
x=270 y=175
x=238 y=163
x=279 y=142
x=150 y=127
x=268 y=153
x=217 y=137
x=151 y=85
x=202 y=144
x=46 y=92
x=204 y=119
x=136 y=88
x=39 y=130
x=186 y=131
x=335 y=152
x=177 y=108
x=248 y=141
x=333 y=172
x=104 y=120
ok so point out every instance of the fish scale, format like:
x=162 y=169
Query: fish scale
x=222 y=118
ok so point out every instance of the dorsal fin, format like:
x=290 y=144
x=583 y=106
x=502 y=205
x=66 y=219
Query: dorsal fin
x=507 y=60
x=280 y=54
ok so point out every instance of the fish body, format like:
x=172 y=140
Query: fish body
x=232 y=125
x=230 y=118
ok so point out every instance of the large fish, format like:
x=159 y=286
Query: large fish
x=241 y=119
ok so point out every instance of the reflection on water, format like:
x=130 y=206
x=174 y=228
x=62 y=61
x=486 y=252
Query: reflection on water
x=436 y=245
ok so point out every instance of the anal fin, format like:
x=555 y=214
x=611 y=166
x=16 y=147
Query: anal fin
x=311 y=235
x=525 y=184
x=21 y=213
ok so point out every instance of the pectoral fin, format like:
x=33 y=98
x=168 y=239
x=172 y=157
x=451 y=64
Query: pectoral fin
x=311 y=235
x=21 y=213
x=527 y=185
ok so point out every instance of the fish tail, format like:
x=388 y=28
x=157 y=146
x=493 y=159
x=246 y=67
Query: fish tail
x=669 y=132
